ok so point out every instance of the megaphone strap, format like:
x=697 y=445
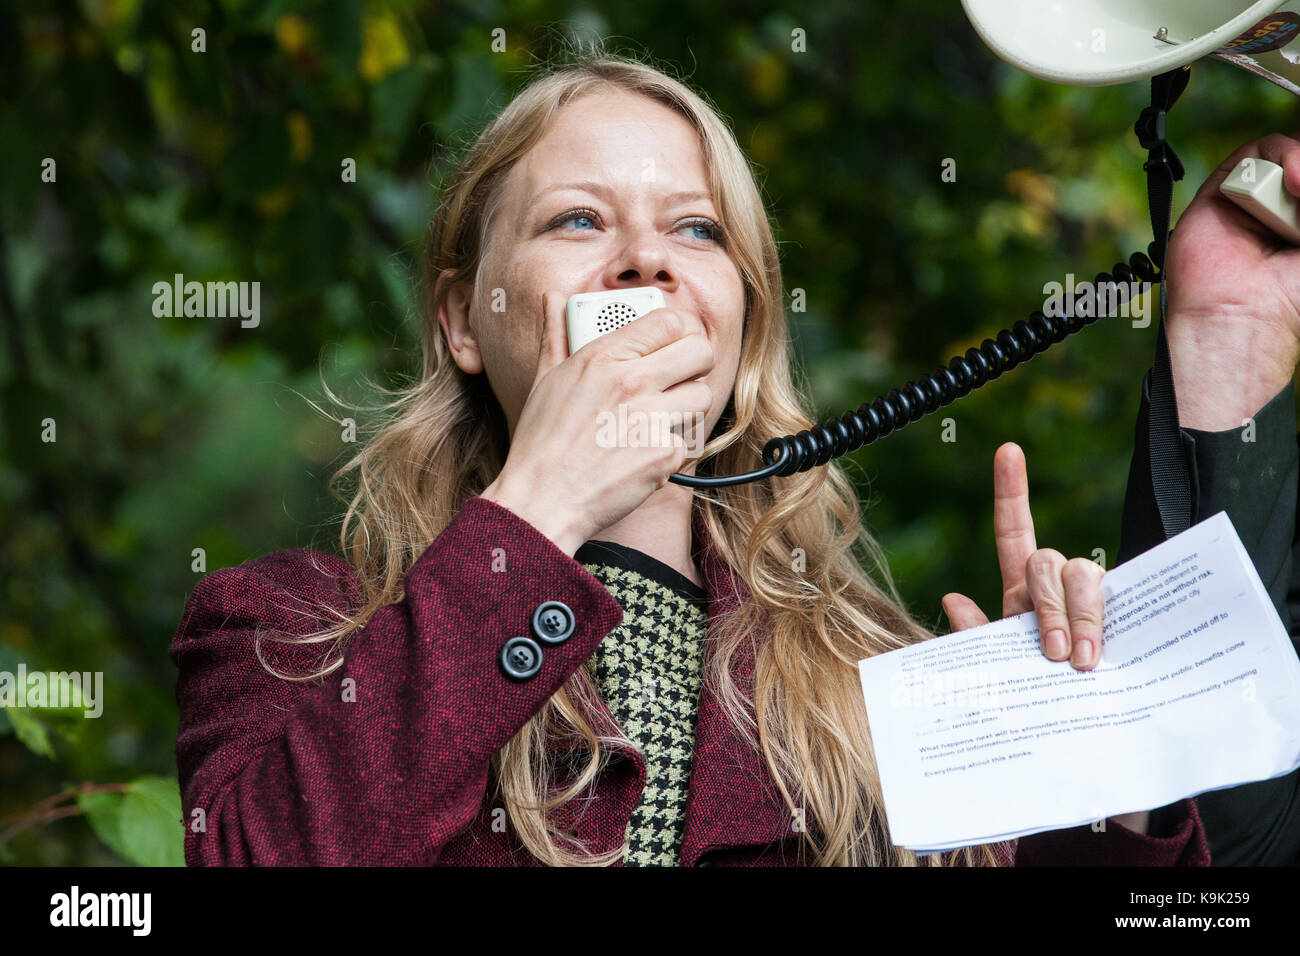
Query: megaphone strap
x=1169 y=475
x=1163 y=167
x=1150 y=125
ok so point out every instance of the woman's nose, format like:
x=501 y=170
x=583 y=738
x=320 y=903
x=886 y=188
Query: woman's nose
x=644 y=258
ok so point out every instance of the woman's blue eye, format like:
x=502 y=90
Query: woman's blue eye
x=709 y=230
x=575 y=215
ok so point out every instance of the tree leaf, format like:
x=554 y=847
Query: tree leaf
x=141 y=824
x=33 y=732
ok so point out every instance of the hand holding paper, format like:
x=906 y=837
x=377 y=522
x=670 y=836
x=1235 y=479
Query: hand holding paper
x=979 y=738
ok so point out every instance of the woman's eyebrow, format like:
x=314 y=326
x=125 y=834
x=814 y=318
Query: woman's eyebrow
x=606 y=192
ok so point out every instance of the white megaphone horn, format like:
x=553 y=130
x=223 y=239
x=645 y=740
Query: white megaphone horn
x=1104 y=42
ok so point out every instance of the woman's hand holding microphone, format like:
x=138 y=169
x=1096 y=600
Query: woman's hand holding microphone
x=557 y=476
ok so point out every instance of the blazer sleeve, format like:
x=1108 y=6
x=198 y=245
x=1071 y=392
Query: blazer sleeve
x=1175 y=839
x=1254 y=478
x=387 y=759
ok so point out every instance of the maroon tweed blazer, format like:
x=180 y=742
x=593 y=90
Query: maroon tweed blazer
x=386 y=761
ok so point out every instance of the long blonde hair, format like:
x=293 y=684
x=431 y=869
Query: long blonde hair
x=444 y=438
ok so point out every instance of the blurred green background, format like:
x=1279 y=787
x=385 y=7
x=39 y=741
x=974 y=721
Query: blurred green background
x=175 y=433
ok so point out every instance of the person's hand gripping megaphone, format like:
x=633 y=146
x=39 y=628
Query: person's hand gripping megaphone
x=1234 y=299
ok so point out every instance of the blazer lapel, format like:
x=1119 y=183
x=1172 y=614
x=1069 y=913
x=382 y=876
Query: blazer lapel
x=732 y=799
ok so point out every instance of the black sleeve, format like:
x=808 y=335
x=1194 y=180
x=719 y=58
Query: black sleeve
x=1255 y=482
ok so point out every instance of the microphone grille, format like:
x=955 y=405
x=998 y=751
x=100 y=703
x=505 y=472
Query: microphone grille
x=614 y=315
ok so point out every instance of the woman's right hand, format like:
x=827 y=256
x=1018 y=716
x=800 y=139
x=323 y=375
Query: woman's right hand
x=557 y=475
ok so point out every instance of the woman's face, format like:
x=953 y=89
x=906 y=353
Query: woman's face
x=615 y=195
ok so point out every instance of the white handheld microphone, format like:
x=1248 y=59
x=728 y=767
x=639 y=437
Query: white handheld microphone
x=1256 y=186
x=589 y=315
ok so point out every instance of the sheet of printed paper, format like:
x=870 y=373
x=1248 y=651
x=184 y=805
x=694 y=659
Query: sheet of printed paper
x=981 y=738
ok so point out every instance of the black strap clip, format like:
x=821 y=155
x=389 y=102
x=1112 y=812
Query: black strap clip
x=1150 y=127
x=1150 y=130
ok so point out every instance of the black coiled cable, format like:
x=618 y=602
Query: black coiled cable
x=889 y=413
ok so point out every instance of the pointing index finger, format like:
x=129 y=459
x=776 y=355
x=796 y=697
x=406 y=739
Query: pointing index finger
x=1013 y=524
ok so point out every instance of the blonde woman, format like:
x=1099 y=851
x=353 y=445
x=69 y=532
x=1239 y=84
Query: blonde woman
x=538 y=650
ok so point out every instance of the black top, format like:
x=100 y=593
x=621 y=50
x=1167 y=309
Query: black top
x=629 y=559
x=1255 y=481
